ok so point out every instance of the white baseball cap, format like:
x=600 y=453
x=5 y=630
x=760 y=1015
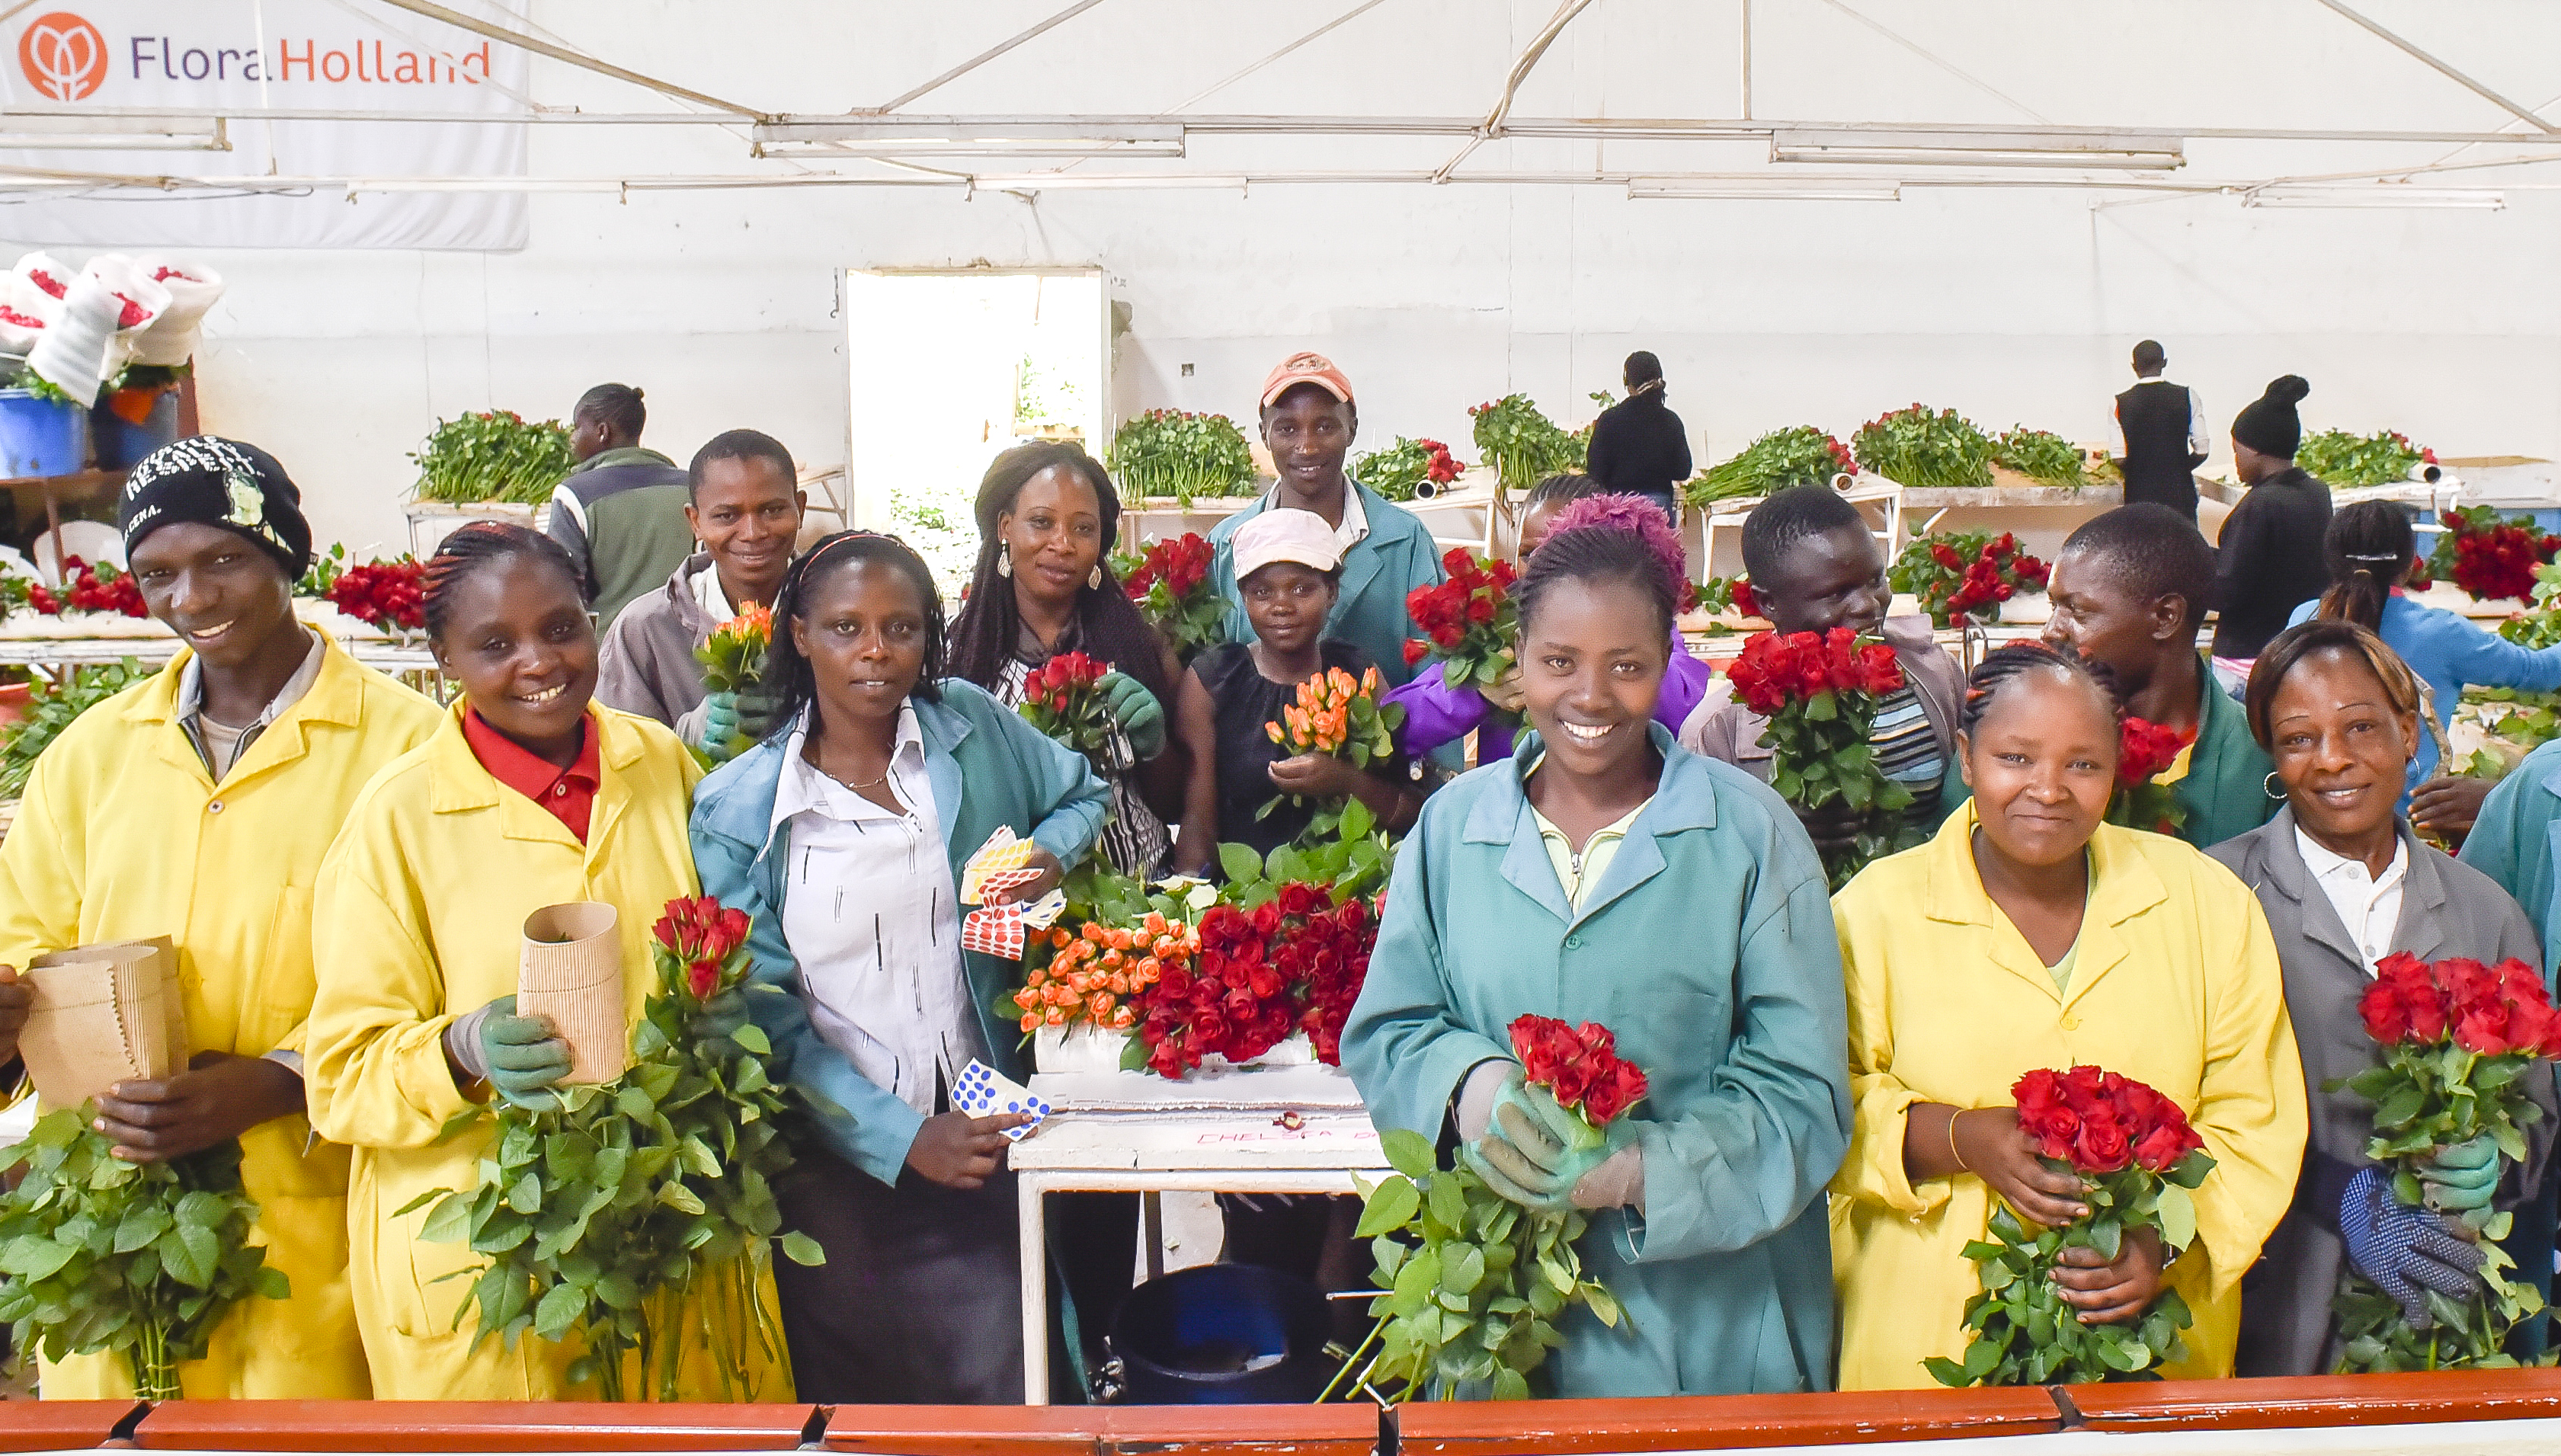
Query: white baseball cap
x=1286 y=536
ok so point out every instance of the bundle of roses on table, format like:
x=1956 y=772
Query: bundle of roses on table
x=2458 y=1041
x=1191 y=971
x=2490 y=557
x=640 y=1211
x=2137 y=1159
x=387 y=595
x=1476 y=1284
x=86 y=588
x=1965 y=575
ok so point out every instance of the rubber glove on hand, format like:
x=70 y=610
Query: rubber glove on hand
x=2462 y=1178
x=1535 y=1151
x=720 y=1016
x=2406 y=1251
x=757 y=706
x=520 y=1055
x=720 y=725
x=1140 y=717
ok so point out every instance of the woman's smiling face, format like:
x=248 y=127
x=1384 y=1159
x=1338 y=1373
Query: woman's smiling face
x=2042 y=763
x=1592 y=666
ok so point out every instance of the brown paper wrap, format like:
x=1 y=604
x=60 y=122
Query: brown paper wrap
x=102 y=1014
x=571 y=972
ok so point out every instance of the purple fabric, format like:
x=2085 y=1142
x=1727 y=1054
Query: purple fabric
x=1438 y=714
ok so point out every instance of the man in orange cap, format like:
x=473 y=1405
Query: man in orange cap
x=1308 y=421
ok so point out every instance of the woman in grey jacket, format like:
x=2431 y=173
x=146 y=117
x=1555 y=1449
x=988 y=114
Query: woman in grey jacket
x=2344 y=883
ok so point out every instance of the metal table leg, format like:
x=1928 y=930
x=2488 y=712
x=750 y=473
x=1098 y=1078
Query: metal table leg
x=1035 y=1275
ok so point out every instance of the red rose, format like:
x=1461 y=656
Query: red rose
x=2161 y=1148
x=702 y=978
x=2101 y=1147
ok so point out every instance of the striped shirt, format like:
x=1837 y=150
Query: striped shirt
x=1907 y=750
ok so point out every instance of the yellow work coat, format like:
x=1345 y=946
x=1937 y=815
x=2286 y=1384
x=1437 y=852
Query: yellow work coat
x=2176 y=985
x=123 y=835
x=420 y=915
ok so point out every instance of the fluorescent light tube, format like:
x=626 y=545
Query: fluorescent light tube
x=1889 y=146
x=72 y=131
x=1745 y=192
x=2473 y=199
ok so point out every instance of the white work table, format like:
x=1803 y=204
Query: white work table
x=1282 y=1129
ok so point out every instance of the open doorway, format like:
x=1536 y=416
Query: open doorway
x=947 y=370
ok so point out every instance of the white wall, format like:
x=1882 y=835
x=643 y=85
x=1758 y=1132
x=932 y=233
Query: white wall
x=2010 y=305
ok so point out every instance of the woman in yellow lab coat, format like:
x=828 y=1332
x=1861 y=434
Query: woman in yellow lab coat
x=528 y=795
x=2028 y=934
x=197 y=804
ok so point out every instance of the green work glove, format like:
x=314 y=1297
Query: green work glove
x=1534 y=1152
x=757 y=704
x=520 y=1055
x=722 y=1015
x=720 y=725
x=1140 y=717
x=2462 y=1177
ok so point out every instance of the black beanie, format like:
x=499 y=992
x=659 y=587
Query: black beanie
x=2267 y=423
x=217 y=482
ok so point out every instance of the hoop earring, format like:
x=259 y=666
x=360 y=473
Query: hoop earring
x=1093 y=578
x=2269 y=786
x=1005 y=560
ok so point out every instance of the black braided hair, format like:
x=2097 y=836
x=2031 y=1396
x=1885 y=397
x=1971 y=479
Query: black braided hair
x=789 y=671
x=1556 y=490
x=2005 y=665
x=1108 y=625
x=476 y=546
x=1590 y=554
x=2370 y=548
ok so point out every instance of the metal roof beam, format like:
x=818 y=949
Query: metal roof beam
x=2442 y=68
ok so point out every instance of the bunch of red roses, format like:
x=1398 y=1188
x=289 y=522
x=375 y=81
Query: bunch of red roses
x=2459 y=1040
x=116 y=591
x=2145 y=749
x=2099 y=1122
x=1169 y=582
x=1470 y=619
x=1064 y=700
x=1581 y=1065
x=2137 y=1159
x=2490 y=558
x=386 y=594
x=1821 y=691
x=699 y=946
x=1966 y=575
x=1293 y=964
x=2488 y=1011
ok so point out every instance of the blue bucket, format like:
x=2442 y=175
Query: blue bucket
x=122 y=445
x=1223 y=1335
x=39 y=437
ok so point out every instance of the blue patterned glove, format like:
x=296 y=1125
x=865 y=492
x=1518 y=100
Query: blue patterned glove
x=1534 y=1151
x=2462 y=1178
x=2406 y=1251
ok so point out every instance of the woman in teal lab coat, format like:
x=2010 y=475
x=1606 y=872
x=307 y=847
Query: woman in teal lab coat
x=1605 y=874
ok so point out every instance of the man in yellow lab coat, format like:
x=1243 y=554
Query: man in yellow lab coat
x=196 y=805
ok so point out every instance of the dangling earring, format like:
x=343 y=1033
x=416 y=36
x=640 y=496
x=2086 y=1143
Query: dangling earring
x=1093 y=578
x=1005 y=559
x=2269 y=786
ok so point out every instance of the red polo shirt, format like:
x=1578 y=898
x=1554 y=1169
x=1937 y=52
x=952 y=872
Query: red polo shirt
x=567 y=794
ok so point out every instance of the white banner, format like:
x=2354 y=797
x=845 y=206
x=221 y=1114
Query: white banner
x=87 y=57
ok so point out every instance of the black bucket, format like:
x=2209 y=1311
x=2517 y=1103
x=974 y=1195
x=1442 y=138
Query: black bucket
x=1223 y=1335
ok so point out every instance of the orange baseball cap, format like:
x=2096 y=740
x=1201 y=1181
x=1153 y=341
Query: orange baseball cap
x=1305 y=368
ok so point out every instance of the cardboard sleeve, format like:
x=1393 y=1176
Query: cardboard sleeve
x=571 y=971
x=103 y=1013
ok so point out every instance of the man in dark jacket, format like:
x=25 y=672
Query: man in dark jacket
x=2269 y=561
x=2164 y=430
x=621 y=512
x=1639 y=445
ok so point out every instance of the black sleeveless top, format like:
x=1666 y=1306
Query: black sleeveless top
x=1244 y=703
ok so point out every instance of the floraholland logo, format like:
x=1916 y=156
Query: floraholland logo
x=62 y=54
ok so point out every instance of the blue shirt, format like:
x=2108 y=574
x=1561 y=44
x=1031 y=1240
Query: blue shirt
x=2448 y=650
